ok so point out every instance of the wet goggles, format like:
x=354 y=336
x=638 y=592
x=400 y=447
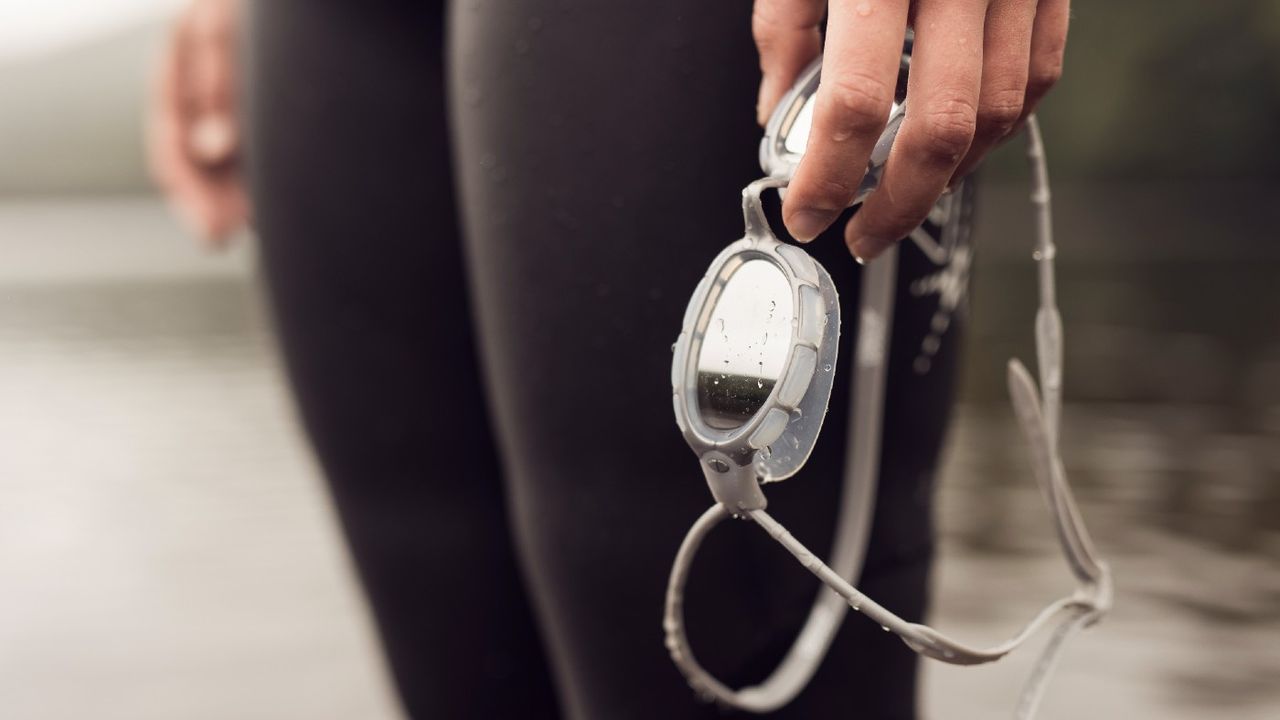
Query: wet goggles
x=751 y=379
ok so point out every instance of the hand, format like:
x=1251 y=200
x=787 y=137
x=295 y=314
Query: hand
x=193 y=136
x=978 y=69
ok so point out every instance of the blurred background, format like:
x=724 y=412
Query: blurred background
x=166 y=549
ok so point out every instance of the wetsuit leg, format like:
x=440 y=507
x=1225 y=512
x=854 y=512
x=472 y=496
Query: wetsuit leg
x=601 y=150
x=352 y=189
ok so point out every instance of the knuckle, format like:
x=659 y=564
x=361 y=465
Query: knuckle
x=1045 y=74
x=901 y=224
x=765 y=25
x=829 y=192
x=947 y=130
x=998 y=114
x=895 y=222
x=858 y=104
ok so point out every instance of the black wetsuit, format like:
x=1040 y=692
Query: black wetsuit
x=480 y=228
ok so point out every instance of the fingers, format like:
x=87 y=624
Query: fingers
x=192 y=140
x=211 y=135
x=1006 y=61
x=859 y=73
x=1048 y=48
x=941 y=118
x=787 y=38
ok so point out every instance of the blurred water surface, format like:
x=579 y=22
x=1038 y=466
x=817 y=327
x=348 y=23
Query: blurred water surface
x=166 y=550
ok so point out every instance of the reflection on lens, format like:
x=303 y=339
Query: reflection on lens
x=797 y=138
x=745 y=346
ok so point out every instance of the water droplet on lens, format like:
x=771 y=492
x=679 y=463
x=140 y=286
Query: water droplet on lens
x=826 y=368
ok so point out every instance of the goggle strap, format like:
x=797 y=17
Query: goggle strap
x=1038 y=411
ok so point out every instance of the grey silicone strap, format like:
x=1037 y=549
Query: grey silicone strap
x=852 y=531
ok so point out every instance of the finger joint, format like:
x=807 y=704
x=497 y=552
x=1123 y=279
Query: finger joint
x=946 y=130
x=858 y=104
x=998 y=114
x=1045 y=73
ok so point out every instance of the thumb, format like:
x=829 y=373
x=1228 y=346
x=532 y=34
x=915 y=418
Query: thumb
x=212 y=136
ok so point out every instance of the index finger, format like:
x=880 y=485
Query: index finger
x=859 y=74
x=787 y=37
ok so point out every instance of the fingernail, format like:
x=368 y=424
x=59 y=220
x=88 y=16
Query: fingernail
x=866 y=247
x=762 y=109
x=805 y=225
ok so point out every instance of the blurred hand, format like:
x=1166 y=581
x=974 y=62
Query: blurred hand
x=193 y=136
x=978 y=68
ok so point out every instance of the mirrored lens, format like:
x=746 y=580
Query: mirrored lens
x=797 y=138
x=745 y=346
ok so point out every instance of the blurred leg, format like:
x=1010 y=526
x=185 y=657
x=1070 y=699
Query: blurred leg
x=352 y=188
x=601 y=150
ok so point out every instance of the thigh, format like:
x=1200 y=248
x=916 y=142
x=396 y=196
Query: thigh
x=602 y=148
x=354 y=204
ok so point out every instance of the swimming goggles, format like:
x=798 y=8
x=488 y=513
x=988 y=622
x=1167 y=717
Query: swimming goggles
x=751 y=378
